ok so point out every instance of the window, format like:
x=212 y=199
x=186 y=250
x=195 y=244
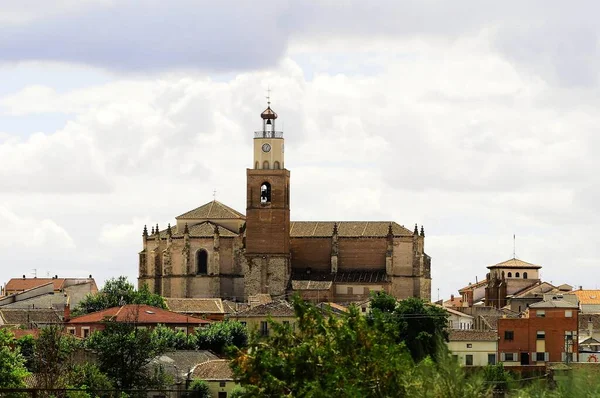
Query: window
x=516 y=275
x=264 y=328
x=540 y=356
x=276 y=165
x=182 y=329
x=491 y=359
x=540 y=335
x=85 y=332
x=202 y=262
x=222 y=383
x=265 y=193
x=266 y=165
x=469 y=345
x=540 y=313
x=469 y=360
x=509 y=356
x=568 y=313
x=524 y=275
x=243 y=323
x=350 y=290
x=510 y=274
x=509 y=335
x=363 y=309
x=286 y=323
x=71 y=331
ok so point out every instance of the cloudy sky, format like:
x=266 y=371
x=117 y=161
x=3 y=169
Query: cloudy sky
x=477 y=121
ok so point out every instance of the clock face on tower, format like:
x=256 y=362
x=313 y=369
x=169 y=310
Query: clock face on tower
x=266 y=147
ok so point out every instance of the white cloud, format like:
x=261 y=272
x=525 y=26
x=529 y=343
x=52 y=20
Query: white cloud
x=19 y=232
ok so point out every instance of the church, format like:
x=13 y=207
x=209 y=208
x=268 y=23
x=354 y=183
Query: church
x=216 y=251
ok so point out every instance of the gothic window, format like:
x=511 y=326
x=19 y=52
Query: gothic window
x=510 y=274
x=265 y=192
x=517 y=275
x=266 y=165
x=276 y=165
x=524 y=275
x=202 y=262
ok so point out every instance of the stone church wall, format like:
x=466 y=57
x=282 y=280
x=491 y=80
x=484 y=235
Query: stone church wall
x=362 y=253
x=311 y=252
x=403 y=256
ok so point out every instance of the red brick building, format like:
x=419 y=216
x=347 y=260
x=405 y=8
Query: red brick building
x=547 y=332
x=143 y=316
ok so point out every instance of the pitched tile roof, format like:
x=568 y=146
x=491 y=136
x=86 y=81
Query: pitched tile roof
x=474 y=285
x=275 y=308
x=348 y=229
x=139 y=313
x=584 y=320
x=217 y=369
x=212 y=210
x=537 y=290
x=457 y=313
x=558 y=303
x=333 y=307
x=472 y=335
x=514 y=263
x=196 y=305
x=42 y=316
x=587 y=296
x=454 y=302
x=182 y=361
x=20 y=284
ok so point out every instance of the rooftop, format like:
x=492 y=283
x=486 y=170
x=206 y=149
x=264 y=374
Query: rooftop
x=347 y=229
x=587 y=296
x=472 y=335
x=138 y=313
x=277 y=308
x=196 y=305
x=515 y=263
x=217 y=369
x=212 y=210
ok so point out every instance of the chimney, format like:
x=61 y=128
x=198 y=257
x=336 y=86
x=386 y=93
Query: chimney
x=67 y=314
x=452 y=299
x=580 y=287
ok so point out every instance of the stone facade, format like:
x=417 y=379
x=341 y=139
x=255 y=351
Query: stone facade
x=215 y=251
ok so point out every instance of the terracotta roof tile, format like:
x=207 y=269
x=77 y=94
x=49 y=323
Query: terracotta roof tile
x=276 y=308
x=36 y=316
x=514 y=263
x=472 y=335
x=311 y=285
x=205 y=229
x=217 y=369
x=138 y=313
x=212 y=210
x=587 y=296
x=196 y=305
x=20 y=284
x=348 y=229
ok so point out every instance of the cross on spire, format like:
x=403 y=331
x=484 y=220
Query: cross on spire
x=268 y=96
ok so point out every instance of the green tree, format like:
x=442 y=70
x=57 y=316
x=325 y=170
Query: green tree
x=88 y=376
x=324 y=357
x=52 y=357
x=219 y=336
x=116 y=292
x=124 y=354
x=200 y=389
x=422 y=327
x=27 y=347
x=170 y=339
x=12 y=363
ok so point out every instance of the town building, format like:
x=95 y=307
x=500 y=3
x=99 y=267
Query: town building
x=141 y=315
x=205 y=308
x=473 y=347
x=589 y=300
x=218 y=376
x=216 y=251
x=257 y=318
x=22 y=289
x=546 y=332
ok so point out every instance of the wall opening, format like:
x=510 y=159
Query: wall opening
x=517 y=275
x=510 y=274
x=276 y=165
x=265 y=192
x=256 y=165
x=202 y=262
x=266 y=165
x=524 y=275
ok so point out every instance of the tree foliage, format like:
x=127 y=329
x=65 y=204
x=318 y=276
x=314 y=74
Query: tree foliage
x=200 y=389
x=52 y=358
x=170 y=339
x=116 y=292
x=219 y=336
x=124 y=353
x=12 y=363
x=422 y=327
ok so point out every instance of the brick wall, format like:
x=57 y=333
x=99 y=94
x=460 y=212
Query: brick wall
x=311 y=252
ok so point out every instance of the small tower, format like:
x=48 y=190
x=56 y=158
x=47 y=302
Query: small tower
x=268 y=143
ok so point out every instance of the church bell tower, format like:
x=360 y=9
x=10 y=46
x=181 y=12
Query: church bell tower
x=268 y=212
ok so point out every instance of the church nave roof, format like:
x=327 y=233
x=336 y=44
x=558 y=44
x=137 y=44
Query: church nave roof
x=212 y=210
x=348 y=229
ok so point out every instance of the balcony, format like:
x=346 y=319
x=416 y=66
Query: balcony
x=268 y=134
